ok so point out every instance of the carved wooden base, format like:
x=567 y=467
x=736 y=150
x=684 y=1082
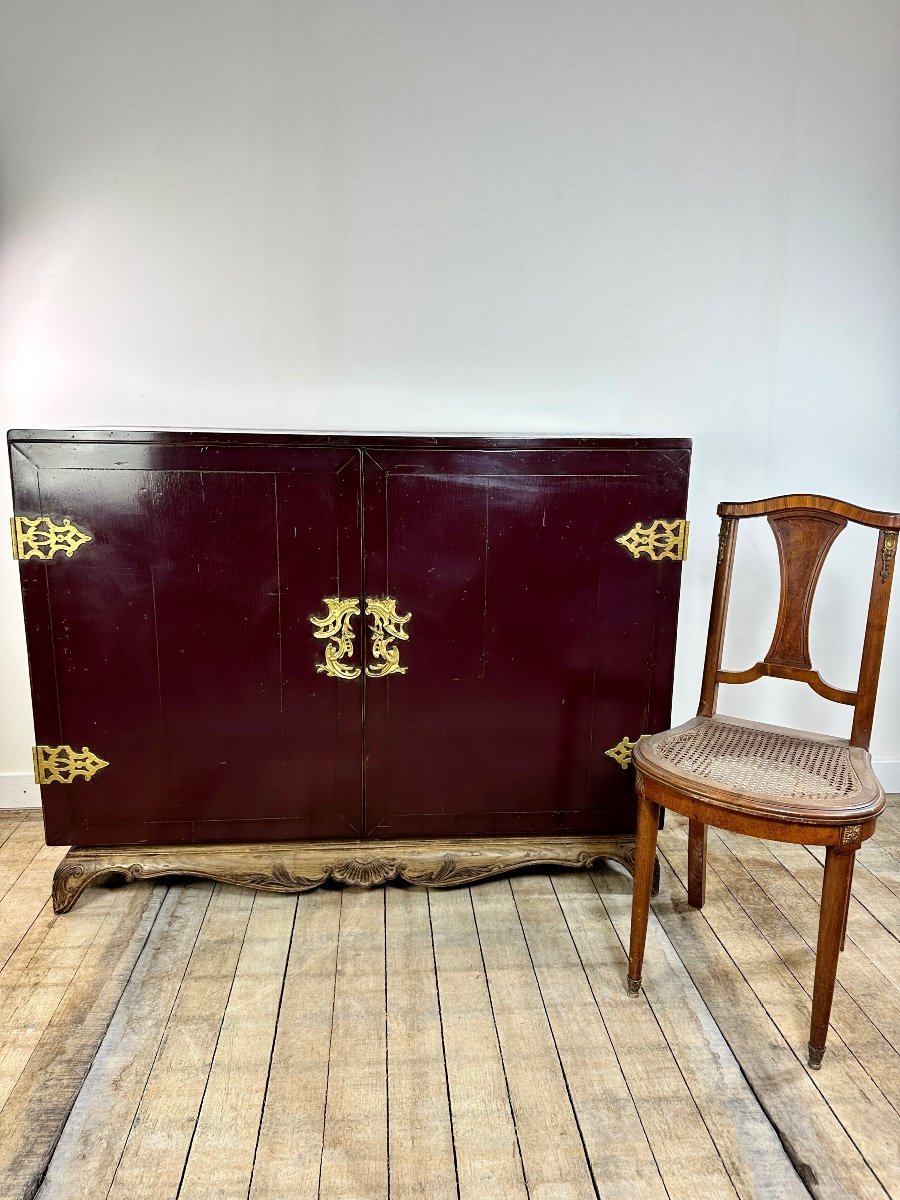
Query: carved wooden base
x=301 y=866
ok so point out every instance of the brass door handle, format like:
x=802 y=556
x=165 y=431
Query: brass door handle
x=336 y=627
x=386 y=628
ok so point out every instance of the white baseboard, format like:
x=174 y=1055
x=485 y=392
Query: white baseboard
x=20 y=791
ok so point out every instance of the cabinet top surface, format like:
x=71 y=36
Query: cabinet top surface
x=382 y=440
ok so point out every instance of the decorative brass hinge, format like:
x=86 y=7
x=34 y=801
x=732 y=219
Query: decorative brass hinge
x=42 y=537
x=621 y=752
x=63 y=764
x=337 y=628
x=387 y=624
x=660 y=539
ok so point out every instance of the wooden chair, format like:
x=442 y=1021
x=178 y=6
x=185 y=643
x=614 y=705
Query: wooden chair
x=766 y=780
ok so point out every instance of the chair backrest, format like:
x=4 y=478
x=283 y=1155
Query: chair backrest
x=805 y=528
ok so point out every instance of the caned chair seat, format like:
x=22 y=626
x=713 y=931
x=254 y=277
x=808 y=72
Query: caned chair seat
x=764 y=780
x=753 y=768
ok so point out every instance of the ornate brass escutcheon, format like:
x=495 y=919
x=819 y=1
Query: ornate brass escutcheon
x=387 y=625
x=63 y=764
x=336 y=627
x=41 y=537
x=658 y=540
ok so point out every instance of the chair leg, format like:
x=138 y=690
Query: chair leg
x=644 y=863
x=696 y=863
x=832 y=915
x=847 y=904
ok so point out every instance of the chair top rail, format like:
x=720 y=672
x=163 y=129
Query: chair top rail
x=780 y=504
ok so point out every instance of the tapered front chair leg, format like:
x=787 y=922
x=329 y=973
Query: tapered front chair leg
x=644 y=863
x=696 y=863
x=847 y=904
x=832 y=915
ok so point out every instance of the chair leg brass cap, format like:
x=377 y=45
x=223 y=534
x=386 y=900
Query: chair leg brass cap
x=815 y=1057
x=634 y=986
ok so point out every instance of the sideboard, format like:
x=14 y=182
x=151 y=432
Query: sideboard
x=276 y=659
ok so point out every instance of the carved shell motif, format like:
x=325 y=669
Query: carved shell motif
x=366 y=872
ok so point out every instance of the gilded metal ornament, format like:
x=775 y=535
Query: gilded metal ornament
x=724 y=537
x=42 y=538
x=63 y=764
x=336 y=627
x=621 y=752
x=888 y=554
x=658 y=540
x=387 y=625
x=850 y=834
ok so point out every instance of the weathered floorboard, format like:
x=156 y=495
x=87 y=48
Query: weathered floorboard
x=870 y=1120
x=825 y=1156
x=866 y=1014
x=355 y=1150
x=420 y=1135
x=30 y=996
x=153 y=1159
x=220 y=1161
x=749 y=1147
x=293 y=1125
x=200 y=1040
x=488 y=1158
x=98 y=1125
x=685 y=1154
x=614 y=1137
x=38 y=1106
x=552 y=1150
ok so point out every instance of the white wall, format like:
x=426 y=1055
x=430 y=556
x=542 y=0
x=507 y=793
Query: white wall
x=566 y=216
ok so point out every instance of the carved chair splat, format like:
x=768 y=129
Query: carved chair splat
x=770 y=781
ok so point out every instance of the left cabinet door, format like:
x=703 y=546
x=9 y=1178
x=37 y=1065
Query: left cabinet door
x=176 y=645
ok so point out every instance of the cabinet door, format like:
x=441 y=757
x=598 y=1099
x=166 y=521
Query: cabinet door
x=536 y=642
x=176 y=645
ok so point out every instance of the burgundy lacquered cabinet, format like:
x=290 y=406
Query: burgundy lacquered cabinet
x=279 y=658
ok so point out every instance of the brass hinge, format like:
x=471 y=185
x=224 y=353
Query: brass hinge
x=41 y=537
x=621 y=752
x=658 y=540
x=63 y=764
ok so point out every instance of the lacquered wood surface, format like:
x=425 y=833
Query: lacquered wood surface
x=536 y=643
x=178 y=645
x=179 y=649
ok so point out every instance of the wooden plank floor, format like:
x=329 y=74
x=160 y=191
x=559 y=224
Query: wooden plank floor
x=200 y=1041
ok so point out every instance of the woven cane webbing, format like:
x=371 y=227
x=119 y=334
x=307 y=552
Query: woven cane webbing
x=761 y=762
